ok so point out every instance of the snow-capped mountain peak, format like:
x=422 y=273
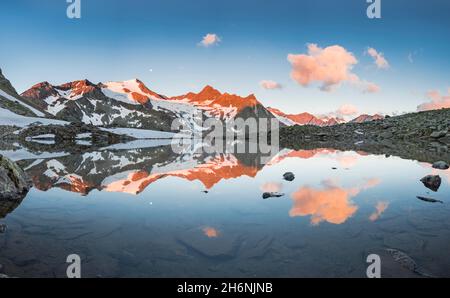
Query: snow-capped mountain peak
x=217 y=104
x=365 y=118
x=134 y=91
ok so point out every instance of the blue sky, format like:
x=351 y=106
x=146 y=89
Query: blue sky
x=158 y=42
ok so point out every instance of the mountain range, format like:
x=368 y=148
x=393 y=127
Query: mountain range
x=131 y=104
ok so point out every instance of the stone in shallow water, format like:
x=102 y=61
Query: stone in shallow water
x=214 y=245
x=432 y=182
x=390 y=267
x=429 y=200
x=289 y=176
x=267 y=195
x=441 y=165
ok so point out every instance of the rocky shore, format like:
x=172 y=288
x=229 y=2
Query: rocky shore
x=14 y=182
x=423 y=136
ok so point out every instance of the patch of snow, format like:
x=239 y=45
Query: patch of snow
x=47 y=136
x=56 y=165
x=284 y=120
x=87 y=135
x=44 y=142
x=24 y=154
x=13 y=99
x=51 y=174
x=142 y=133
x=145 y=143
x=33 y=164
x=115 y=90
x=9 y=118
x=83 y=142
x=116 y=177
x=54 y=104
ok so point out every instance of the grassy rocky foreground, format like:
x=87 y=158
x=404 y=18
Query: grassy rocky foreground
x=422 y=136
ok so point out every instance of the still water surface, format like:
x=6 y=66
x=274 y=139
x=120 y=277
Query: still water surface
x=150 y=213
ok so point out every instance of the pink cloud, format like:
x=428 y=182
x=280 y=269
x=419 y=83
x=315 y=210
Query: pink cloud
x=331 y=203
x=379 y=59
x=347 y=110
x=380 y=208
x=347 y=161
x=270 y=85
x=344 y=111
x=210 y=39
x=210 y=232
x=371 y=87
x=436 y=101
x=329 y=66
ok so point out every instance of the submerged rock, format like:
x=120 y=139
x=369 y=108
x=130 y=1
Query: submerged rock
x=441 y=165
x=403 y=259
x=267 y=195
x=430 y=200
x=14 y=182
x=432 y=182
x=406 y=262
x=289 y=176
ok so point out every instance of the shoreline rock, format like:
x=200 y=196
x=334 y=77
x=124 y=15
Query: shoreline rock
x=14 y=182
x=440 y=165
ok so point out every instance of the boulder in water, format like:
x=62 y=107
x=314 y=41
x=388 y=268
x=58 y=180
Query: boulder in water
x=432 y=182
x=14 y=182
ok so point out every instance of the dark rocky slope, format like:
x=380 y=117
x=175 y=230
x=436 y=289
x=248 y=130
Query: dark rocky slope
x=422 y=136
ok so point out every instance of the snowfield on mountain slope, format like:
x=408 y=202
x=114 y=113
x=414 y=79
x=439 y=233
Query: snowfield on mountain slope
x=126 y=91
x=13 y=99
x=142 y=133
x=130 y=91
x=135 y=92
x=9 y=118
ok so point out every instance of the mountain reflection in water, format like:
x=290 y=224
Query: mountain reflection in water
x=151 y=212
